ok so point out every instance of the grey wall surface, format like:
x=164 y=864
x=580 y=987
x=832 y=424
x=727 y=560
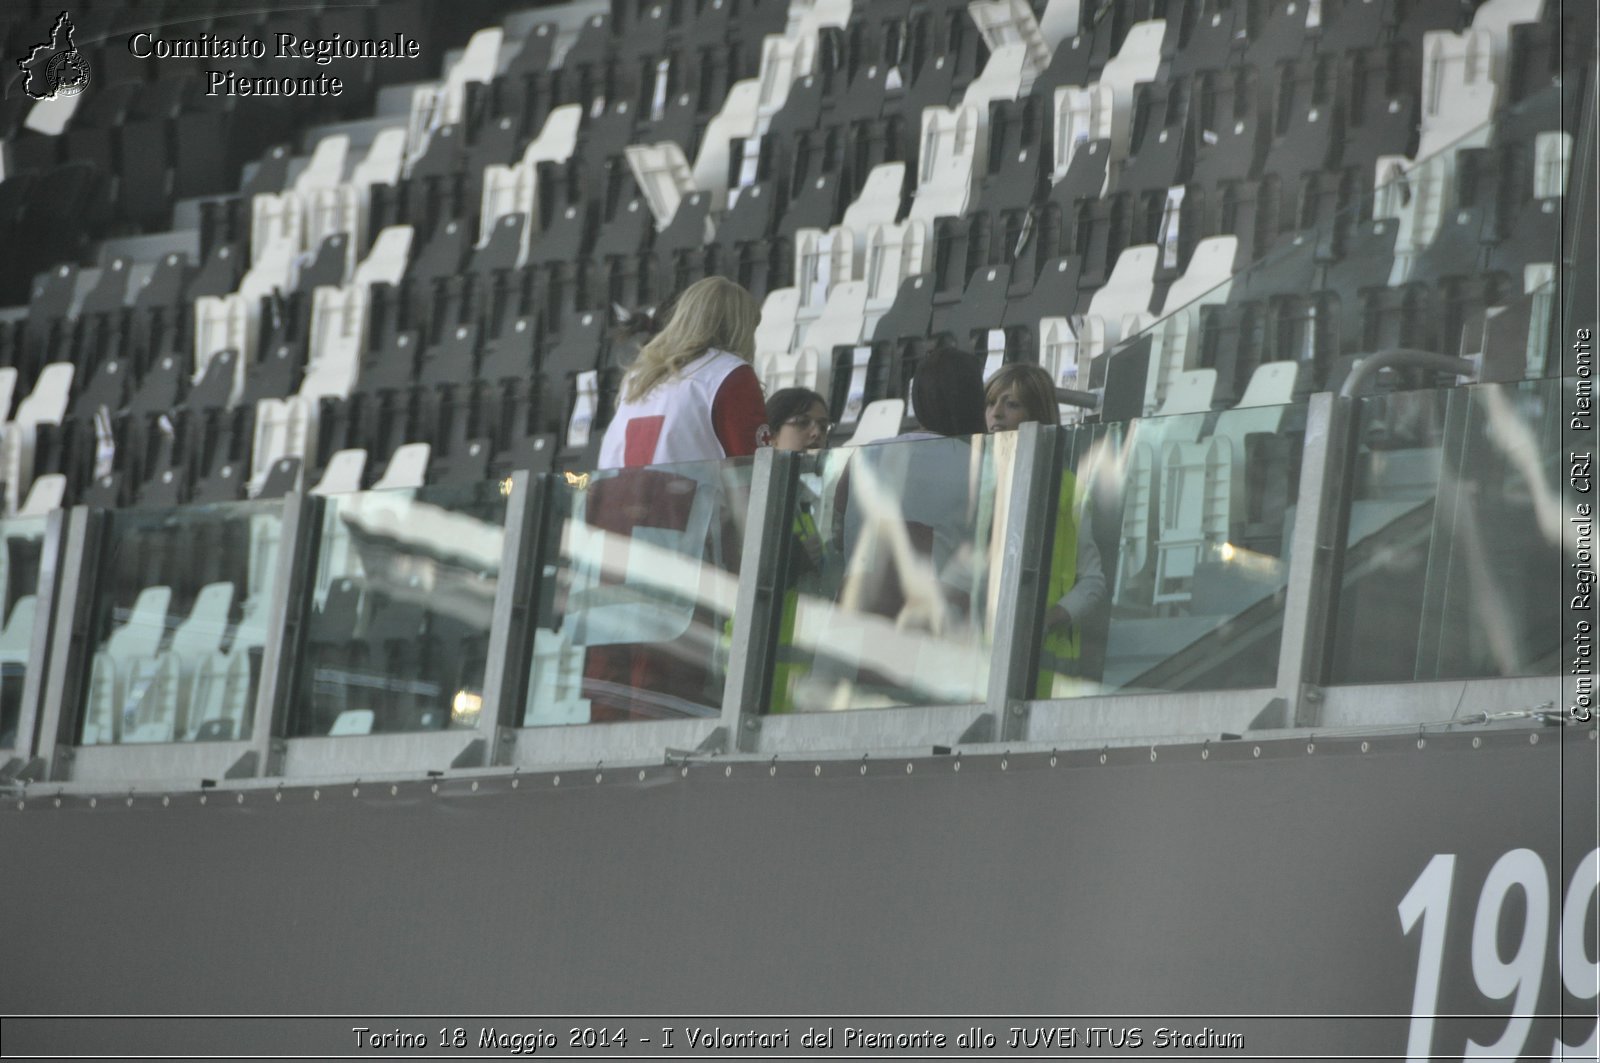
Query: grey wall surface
x=1226 y=879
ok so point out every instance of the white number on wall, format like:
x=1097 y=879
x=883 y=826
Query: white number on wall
x=1517 y=977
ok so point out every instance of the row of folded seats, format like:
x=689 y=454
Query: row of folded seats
x=447 y=276
x=147 y=134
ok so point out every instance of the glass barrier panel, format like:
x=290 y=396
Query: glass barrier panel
x=21 y=548
x=178 y=623
x=889 y=598
x=1455 y=252
x=397 y=634
x=1170 y=553
x=640 y=578
x=1452 y=548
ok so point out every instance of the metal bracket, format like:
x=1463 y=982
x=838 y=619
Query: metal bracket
x=1273 y=716
x=979 y=731
x=20 y=770
x=714 y=744
x=244 y=767
x=471 y=755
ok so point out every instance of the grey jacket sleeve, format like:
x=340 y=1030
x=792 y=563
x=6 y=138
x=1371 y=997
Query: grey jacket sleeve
x=1088 y=589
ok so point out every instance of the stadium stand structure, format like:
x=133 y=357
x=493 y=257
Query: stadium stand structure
x=301 y=395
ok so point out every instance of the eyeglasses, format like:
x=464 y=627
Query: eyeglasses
x=805 y=424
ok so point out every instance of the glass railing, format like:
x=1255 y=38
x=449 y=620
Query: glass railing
x=21 y=552
x=397 y=633
x=178 y=623
x=1452 y=547
x=890 y=588
x=640 y=574
x=1170 y=553
x=1457 y=253
x=1169 y=542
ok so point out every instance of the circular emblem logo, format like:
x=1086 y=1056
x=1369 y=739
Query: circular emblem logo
x=764 y=436
x=67 y=74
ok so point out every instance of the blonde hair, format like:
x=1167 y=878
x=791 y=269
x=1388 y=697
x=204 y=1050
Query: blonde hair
x=1033 y=388
x=714 y=312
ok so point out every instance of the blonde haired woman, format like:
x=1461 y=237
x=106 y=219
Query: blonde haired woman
x=691 y=395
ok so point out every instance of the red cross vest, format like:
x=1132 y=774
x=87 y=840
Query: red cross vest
x=673 y=422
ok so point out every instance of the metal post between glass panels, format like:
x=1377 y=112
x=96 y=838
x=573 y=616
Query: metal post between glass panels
x=29 y=739
x=516 y=609
x=302 y=517
x=1308 y=601
x=1450 y=498
x=1024 y=570
x=68 y=662
x=762 y=569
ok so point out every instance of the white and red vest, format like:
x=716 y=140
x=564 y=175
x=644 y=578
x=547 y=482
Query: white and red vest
x=673 y=422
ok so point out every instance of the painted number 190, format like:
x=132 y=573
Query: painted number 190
x=1425 y=908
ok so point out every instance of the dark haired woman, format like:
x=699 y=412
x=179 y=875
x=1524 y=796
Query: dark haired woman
x=799 y=419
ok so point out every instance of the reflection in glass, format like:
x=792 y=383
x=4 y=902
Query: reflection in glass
x=398 y=632
x=1452 y=548
x=21 y=546
x=1192 y=517
x=888 y=598
x=179 y=621
x=640 y=585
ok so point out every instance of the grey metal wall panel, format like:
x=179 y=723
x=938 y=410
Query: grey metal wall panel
x=1208 y=880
